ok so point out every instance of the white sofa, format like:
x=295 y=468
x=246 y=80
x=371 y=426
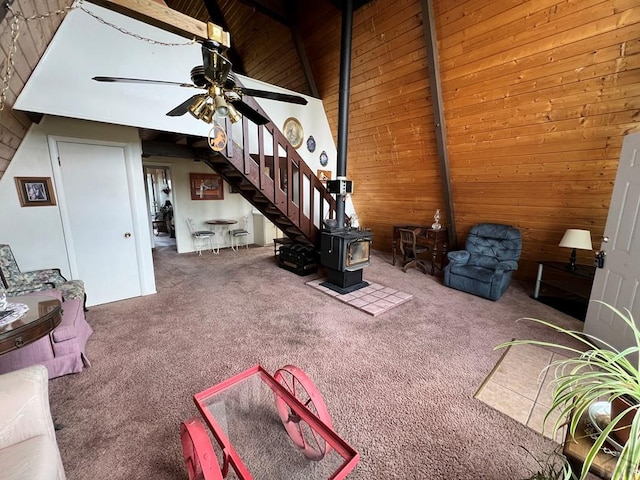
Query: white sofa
x=28 y=447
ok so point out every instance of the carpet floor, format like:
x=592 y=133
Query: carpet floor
x=399 y=386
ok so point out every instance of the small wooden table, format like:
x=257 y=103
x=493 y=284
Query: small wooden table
x=44 y=314
x=576 y=449
x=426 y=236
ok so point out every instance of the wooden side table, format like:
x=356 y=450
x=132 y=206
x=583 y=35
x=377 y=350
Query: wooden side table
x=44 y=314
x=435 y=240
x=576 y=448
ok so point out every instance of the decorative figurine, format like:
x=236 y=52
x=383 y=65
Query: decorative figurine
x=436 y=225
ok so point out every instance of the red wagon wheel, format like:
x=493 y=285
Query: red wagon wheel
x=199 y=456
x=297 y=383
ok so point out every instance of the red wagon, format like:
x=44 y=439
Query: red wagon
x=246 y=415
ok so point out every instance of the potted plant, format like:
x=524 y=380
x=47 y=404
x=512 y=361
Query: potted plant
x=593 y=374
x=553 y=467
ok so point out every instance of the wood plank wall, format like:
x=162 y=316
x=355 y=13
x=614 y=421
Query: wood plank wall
x=392 y=156
x=34 y=36
x=265 y=46
x=537 y=99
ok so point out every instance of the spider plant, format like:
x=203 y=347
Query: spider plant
x=593 y=374
x=553 y=467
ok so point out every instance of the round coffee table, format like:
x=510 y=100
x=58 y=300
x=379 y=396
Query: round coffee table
x=44 y=314
x=219 y=226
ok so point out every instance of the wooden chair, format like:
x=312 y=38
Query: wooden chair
x=411 y=251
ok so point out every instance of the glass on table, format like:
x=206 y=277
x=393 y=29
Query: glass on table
x=270 y=427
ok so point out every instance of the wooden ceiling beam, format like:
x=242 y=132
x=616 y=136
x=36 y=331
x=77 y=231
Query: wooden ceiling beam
x=152 y=148
x=435 y=87
x=284 y=19
x=217 y=17
x=339 y=4
x=158 y=15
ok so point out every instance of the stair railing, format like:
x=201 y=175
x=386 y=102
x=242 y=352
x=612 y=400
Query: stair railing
x=280 y=175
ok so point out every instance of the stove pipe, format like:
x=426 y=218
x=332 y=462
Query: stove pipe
x=343 y=103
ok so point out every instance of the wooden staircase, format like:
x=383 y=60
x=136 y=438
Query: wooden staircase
x=261 y=165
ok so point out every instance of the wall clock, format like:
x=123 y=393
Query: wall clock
x=293 y=131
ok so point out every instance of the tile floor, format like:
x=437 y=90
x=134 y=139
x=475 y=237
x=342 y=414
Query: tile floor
x=374 y=299
x=519 y=386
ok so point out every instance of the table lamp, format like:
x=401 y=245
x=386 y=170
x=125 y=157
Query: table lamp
x=574 y=239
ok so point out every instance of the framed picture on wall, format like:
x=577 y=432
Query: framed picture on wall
x=206 y=186
x=35 y=191
x=324 y=175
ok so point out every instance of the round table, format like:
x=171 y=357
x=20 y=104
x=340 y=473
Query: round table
x=219 y=226
x=44 y=314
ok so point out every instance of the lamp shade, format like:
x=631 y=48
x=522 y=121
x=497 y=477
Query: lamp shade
x=574 y=238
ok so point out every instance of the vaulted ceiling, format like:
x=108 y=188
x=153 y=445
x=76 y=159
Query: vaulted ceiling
x=537 y=98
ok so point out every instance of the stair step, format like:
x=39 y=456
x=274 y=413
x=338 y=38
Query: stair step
x=262 y=200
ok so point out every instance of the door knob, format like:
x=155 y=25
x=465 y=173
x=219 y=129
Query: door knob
x=127 y=234
x=605 y=239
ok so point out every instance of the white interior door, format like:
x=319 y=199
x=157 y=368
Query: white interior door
x=98 y=221
x=617 y=282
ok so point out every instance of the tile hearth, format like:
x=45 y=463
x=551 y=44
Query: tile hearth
x=374 y=299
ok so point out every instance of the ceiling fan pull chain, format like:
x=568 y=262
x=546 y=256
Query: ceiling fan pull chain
x=15 y=32
x=131 y=34
x=9 y=64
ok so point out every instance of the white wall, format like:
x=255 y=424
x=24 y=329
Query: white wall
x=312 y=117
x=61 y=88
x=234 y=206
x=35 y=233
x=82 y=48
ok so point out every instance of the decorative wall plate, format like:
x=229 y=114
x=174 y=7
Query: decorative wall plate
x=324 y=159
x=311 y=144
x=293 y=131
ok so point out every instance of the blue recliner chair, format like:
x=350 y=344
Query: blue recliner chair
x=484 y=268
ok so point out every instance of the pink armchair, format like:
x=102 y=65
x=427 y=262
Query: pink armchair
x=62 y=351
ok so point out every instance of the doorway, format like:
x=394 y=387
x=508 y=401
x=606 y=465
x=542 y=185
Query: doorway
x=617 y=281
x=95 y=200
x=160 y=201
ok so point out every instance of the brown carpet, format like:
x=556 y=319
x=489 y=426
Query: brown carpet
x=399 y=387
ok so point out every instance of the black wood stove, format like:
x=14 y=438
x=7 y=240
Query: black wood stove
x=345 y=252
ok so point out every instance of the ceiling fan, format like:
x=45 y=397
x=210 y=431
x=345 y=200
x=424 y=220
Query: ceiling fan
x=222 y=95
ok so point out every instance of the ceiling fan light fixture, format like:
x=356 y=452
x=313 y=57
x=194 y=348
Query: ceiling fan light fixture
x=221 y=107
x=198 y=106
x=207 y=114
x=233 y=115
